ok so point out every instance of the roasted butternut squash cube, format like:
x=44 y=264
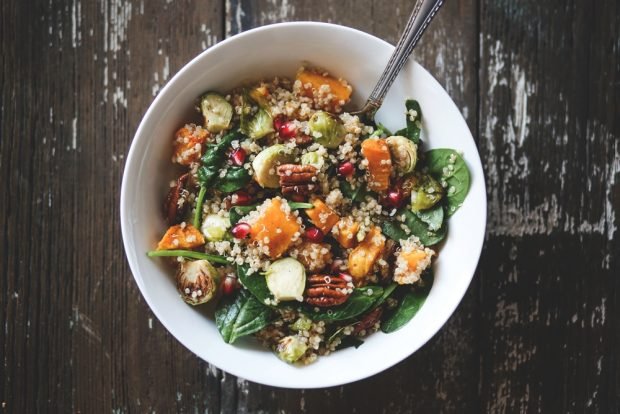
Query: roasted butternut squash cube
x=364 y=256
x=275 y=228
x=324 y=89
x=377 y=153
x=189 y=143
x=411 y=260
x=181 y=236
x=322 y=216
x=345 y=232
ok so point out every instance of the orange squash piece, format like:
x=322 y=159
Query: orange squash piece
x=274 y=229
x=312 y=81
x=189 y=142
x=377 y=153
x=345 y=232
x=322 y=216
x=364 y=256
x=181 y=237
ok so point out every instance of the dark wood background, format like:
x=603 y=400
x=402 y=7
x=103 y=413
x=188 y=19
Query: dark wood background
x=539 y=329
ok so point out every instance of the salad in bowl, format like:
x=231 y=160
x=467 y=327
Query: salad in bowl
x=307 y=227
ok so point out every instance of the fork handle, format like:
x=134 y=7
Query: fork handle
x=420 y=17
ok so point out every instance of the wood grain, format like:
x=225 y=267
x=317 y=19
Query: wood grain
x=538 y=330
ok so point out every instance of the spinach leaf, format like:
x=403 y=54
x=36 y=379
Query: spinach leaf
x=357 y=194
x=235 y=179
x=349 y=341
x=237 y=212
x=255 y=283
x=433 y=217
x=409 y=304
x=416 y=226
x=380 y=131
x=387 y=291
x=447 y=166
x=359 y=302
x=213 y=159
x=414 y=122
x=241 y=315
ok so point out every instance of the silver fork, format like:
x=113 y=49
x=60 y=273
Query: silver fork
x=420 y=17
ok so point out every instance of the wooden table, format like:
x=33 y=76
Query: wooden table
x=539 y=329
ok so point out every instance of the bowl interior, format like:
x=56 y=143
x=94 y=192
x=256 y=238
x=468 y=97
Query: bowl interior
x=280 y=50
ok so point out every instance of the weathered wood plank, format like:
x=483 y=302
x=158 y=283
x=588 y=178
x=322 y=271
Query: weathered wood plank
x=549 y=140
x=76 y=79
x=439 y=376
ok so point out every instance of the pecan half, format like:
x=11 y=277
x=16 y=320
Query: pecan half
x=175 y=205
x=297 y=179
x=386 y=270
x=367 y=322
x=325 y=290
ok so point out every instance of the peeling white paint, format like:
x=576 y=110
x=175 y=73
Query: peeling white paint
x=74 y=133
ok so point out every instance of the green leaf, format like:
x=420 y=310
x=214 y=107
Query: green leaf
x=190 y=254
x=240 y=316
x=295 y=205
x=349 y=341
x=357 y=194
x=255 y=283
x=359 y=302
x=433 y=217
x=414 y=124
x=237 y=212
x=235 y=179
x=416 y=226
x=410 y=302
x=380 y=131
x=387 y=291
x=447 y=166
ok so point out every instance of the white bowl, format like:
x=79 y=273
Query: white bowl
x=281 y=49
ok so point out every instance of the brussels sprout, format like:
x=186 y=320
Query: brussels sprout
x=214 y=227
x=301 y=324
x=267 y=161
x=404 y=153
x=326 y=130
x=259 y=126
x=197 y=281
x=314 y=159
x=216 y=111
x=425 y=193
x=291 y=348
x=259 y=95
x=286 y=279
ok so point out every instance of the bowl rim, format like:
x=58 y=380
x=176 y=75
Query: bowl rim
x=124 y=215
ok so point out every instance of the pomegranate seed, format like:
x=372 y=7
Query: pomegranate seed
x=238 y=156
x=346 y=277
x=314 y=235
x=288 y=130
x=278 y=122
x=394 y=197
x=346 y=169
x=229 y=285
x=241 y=230
x=241 y=198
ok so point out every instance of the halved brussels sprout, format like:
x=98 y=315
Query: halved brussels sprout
x=214 y=227
x=197 y=281
x=425 y=193
x=404 y=153
x=314 y=159
x=267 y=161
x=301 y=324
x=326 y=130
x=259 y=126
x=259 y=95
x=286 y=279
x=217 y=111
x=291 y=348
